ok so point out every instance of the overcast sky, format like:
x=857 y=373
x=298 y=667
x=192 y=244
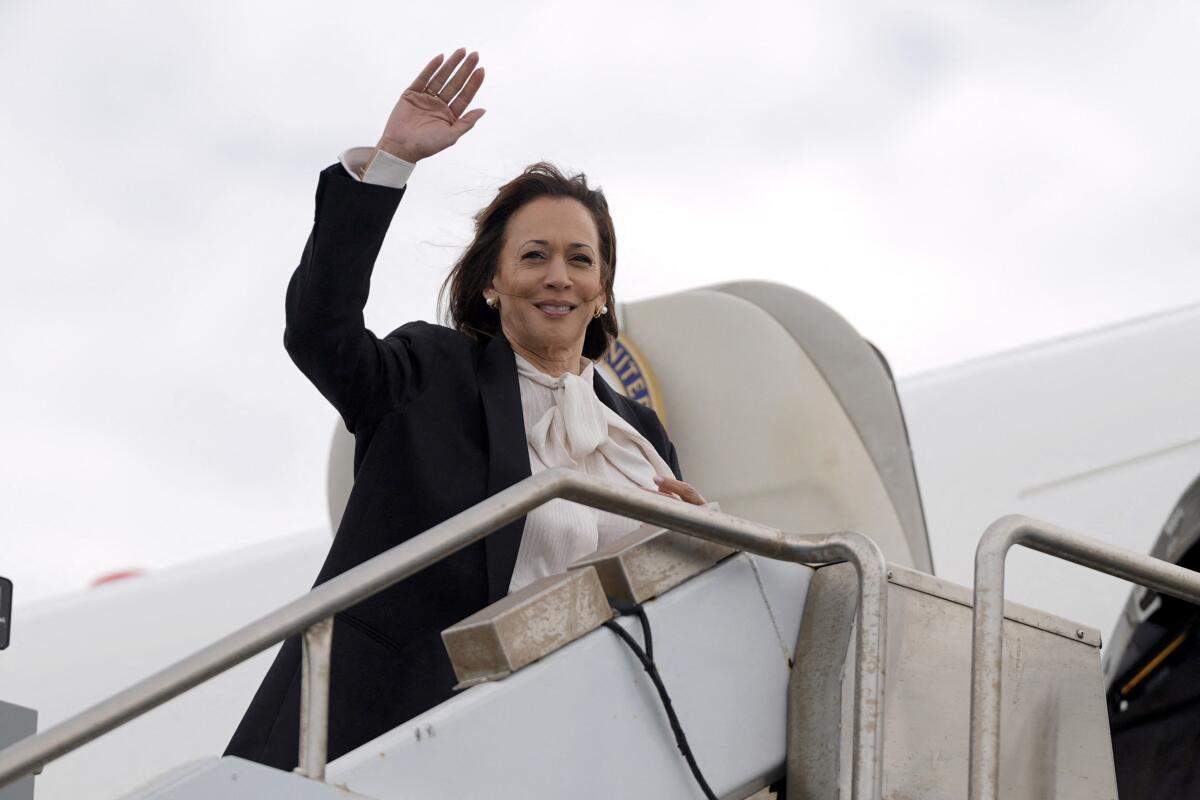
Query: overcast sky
x=955 y=178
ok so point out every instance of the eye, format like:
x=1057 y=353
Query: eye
x=532 y=253
x=586 y=260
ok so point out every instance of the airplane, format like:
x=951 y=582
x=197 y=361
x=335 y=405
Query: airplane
x=801 y=426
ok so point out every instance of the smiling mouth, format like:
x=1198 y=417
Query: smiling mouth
x=555 y=309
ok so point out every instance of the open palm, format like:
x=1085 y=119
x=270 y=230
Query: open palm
x=429 y=116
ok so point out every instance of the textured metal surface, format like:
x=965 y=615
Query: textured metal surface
x=525 y=626
x=815 y=691
x=469 y=526
x=988 y=651
x=233 y=778
x=1056 y=741
x=650 y=561
x=1036 y=618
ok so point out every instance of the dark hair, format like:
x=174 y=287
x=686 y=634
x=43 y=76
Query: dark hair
x=475 y=268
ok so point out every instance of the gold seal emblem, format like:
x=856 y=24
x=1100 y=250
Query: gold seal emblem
x=627 y=371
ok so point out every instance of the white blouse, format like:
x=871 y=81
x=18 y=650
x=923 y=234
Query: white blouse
x=567 y=425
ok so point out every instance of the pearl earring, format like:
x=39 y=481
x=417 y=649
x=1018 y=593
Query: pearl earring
x=603 y=310
x=491 y=302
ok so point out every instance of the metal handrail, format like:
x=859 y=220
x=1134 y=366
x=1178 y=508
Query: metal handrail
x=987 y=644
x=313 y=614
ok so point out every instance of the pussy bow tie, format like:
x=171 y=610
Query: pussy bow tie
x=579 y=424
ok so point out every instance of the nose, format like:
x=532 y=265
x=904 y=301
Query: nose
x=557 y=275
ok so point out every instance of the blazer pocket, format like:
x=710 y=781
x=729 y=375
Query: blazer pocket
x=371 y=633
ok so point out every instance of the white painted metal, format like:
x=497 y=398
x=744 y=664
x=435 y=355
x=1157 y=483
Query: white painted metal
x=1096 y=432
x=130 y=629
x=757 y=426
x=586 y=722
x=859 y=377
x=236 y=779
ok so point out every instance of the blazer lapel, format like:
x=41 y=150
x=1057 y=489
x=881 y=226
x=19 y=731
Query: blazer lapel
x=609 y=398
x=508 y=455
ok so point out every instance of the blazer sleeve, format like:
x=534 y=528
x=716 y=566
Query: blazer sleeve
x=363 y=376
x=672 y=460
x=655 y=433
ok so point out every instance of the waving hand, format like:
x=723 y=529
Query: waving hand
x=429 y=116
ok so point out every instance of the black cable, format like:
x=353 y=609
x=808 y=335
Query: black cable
x=647 y=660
x=634 y=609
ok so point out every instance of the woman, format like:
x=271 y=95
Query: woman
x=444 y=417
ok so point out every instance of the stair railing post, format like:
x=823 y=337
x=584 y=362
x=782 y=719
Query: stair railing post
x=314 y=699
x=987 y=643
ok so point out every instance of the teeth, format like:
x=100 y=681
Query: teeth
x=554 y=308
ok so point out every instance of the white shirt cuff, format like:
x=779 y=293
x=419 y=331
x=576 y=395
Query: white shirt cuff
x=370 y=165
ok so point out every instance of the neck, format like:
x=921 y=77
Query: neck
x=553 y=361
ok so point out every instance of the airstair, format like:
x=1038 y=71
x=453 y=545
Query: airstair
x=796 y=633
x=578 y=717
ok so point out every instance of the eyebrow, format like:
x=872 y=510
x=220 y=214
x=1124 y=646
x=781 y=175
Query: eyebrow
x=547 y=244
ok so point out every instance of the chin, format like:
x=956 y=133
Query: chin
x=555 y=334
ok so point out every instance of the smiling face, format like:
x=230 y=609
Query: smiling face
x=549 y=282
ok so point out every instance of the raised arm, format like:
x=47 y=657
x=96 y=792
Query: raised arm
x=363 y=376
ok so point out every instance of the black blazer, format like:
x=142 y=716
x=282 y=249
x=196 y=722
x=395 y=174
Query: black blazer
x=438 y=427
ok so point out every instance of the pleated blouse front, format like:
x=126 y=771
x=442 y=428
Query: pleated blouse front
x=567 y=425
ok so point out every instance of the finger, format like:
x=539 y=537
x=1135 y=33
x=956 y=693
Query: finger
x=468 y=120
x=662 y=492
x=685 y=490
x=459 y=78
x=422 y=79
x=439 y=78
x=468 y=93
x=672 y=483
